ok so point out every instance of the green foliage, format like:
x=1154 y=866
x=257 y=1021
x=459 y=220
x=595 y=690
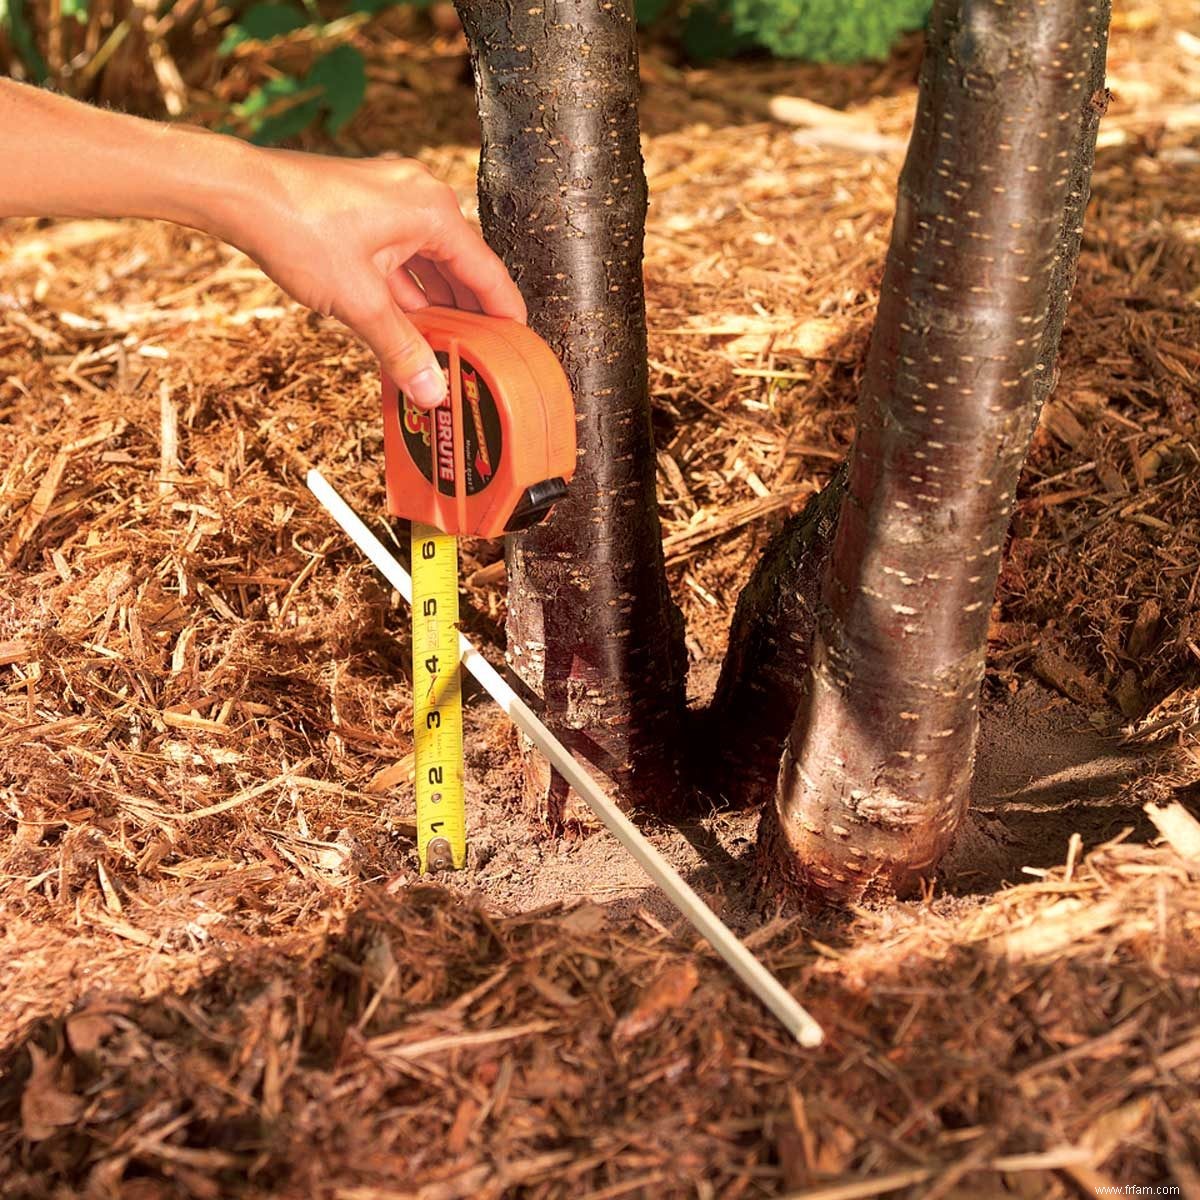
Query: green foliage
x=330 y=94
x=817 y=30
x=649 y=11
x=827 y=30
x=707 y=32
x=326 y=96
x=342 y=74
x=279 y=109
x=261 y=23
x=15 y=23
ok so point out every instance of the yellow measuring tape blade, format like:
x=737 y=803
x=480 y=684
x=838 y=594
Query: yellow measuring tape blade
x=437 y=701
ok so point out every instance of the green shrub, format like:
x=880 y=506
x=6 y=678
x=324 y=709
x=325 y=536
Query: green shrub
x=827 y=30
x=289 y=64
x=816 y=30
x=328 y=95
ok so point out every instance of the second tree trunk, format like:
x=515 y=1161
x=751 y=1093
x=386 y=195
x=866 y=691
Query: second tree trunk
x=877 y=766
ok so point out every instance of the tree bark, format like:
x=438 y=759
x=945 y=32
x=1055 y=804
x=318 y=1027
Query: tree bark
x=875 y=774
x=592 y=629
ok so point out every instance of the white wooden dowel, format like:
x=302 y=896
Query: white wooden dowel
x=765 y=986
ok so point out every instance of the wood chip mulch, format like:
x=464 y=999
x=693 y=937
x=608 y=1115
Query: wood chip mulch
x=219 y=975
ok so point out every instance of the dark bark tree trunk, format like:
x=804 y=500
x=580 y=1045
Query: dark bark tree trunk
x=875 y=773
x=592 y=629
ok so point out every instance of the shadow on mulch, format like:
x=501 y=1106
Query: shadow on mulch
x=432 y=1050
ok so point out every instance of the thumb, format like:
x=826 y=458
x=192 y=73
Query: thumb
x=406 y=357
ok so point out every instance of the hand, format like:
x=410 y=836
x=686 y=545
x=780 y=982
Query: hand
x=351 y=238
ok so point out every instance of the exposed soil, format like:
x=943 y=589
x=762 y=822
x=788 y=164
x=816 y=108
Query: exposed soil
x=222 y=976
x=1043 y=773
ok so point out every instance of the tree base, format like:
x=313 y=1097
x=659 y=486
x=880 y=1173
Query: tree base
x=801 y=869
x=558 y=809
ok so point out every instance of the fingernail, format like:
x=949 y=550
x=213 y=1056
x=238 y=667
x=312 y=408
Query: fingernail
x=427 y=388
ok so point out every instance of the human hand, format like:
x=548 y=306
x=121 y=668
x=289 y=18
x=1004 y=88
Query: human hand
x=351 y=238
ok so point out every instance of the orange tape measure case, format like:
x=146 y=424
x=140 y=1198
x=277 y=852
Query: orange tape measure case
x=497 y=455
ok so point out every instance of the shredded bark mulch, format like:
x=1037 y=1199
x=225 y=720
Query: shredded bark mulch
x=222 y=976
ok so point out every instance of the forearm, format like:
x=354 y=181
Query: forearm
x=66 y=159
x=348 y=237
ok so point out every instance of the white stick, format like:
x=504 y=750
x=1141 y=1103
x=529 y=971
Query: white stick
x=722 y=939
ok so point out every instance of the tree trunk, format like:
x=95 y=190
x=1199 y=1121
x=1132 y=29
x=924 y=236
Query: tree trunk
x=875 y=774
x=592 y=629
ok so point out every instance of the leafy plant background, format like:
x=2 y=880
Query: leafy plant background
x=270 y=70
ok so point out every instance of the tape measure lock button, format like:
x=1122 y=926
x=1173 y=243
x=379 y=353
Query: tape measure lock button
x=535 y=504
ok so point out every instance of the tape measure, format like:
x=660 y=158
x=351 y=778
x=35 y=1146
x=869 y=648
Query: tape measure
x=493 y=458
x=437 y=701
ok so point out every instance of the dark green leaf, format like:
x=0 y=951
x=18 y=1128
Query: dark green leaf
x=277 y=110
x=261 y=22
x=12 y=16
x=648 y=11
x=263 y=97
x=287 y=124
x=265 y=21
x=343 y=74
x=708 y=33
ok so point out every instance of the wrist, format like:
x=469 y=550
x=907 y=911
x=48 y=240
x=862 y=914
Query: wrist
x=210 y=183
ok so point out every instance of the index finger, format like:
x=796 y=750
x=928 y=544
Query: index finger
x=463 y=254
